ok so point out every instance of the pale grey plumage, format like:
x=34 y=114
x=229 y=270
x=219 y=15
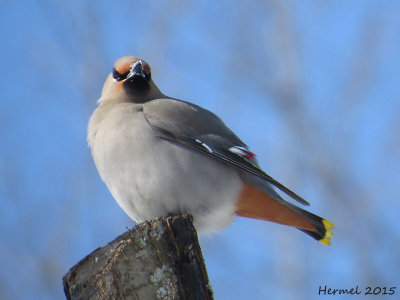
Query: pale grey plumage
x=159 y=155
x=166 y=179
x=151 y=177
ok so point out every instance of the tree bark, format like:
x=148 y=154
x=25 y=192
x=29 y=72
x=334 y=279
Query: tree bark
x=160 y=259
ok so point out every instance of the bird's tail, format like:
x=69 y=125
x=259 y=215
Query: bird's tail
x=257 y=204
x=322 y=232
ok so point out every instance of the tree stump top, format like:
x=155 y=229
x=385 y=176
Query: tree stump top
x=160 y=259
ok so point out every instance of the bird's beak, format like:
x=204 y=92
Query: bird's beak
x=137 y=70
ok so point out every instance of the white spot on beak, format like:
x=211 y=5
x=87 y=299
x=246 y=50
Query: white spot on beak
x=132 y=70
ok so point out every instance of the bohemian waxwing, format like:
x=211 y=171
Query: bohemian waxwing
x=159 y=156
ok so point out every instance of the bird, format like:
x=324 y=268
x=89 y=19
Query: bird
x=160 y=156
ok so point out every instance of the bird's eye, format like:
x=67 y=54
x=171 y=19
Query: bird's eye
x=118 y=77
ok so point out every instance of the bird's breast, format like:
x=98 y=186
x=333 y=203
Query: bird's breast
x=151 y=177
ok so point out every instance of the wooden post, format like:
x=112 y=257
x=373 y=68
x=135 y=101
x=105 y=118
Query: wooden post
x=160 y=259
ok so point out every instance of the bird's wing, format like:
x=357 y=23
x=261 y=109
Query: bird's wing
x=192 y=126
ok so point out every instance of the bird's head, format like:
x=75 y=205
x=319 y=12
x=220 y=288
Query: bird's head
x=130 y=81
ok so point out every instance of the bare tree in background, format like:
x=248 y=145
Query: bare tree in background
x=348 y=200
x=263 y=41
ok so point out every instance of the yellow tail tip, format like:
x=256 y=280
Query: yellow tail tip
x=325 y=241
x=328 y=234
x=327 y=224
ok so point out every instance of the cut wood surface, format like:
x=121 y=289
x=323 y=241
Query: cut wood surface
x=160 y=259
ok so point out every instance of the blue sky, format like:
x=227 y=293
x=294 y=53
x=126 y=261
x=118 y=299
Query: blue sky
x=312 y=87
